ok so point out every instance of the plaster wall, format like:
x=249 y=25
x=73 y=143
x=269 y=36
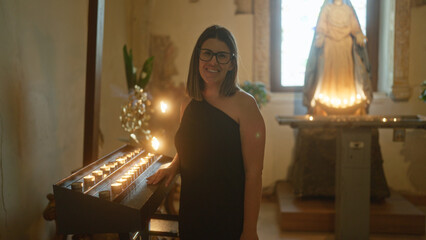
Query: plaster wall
x=42 y=72
x=114 y=86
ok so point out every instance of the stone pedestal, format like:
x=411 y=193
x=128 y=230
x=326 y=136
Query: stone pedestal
x=313 y=170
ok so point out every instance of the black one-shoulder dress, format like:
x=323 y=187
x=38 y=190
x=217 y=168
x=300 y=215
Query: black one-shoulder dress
x=212 y=173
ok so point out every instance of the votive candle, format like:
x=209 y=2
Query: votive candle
x=121 y=161
x=128 y=178
x=144 y=163
x=132 y=173
x=123 y=182
x=89 y=181
x=111 y=167
x=77 y=186
x=137 y=170
x=116 y=188
x=98 y=175
x=105 y=169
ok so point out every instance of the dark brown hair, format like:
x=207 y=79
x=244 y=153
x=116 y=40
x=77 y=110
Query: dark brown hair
x=195 y=84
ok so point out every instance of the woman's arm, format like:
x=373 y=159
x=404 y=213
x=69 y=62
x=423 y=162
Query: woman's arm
x=252 y=130
x=168 y=173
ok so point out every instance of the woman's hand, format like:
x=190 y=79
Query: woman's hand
x=249 y=235
x=167 y=173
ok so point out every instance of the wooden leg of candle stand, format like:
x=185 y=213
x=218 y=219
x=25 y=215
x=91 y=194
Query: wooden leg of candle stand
x=124 y=236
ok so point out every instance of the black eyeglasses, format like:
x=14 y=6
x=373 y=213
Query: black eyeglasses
x=221 y=57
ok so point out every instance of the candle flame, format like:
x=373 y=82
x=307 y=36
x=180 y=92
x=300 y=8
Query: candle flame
x=155 y=143
x=336 y=102
x=163 y=106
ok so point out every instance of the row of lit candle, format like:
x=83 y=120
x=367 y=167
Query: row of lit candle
x=119 y=185
x=97 y=175
x=389 y=119
x=311 y=118
x=135 y=170
x=339 y=103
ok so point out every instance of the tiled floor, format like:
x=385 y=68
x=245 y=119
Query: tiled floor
x=268 y=228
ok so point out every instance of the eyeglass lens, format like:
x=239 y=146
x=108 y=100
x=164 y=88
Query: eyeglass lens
x=221 y=57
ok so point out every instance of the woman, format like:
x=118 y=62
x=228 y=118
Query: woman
x=220 y=145
x=337 y=73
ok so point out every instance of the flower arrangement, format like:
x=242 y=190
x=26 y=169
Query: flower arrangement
x=258 y=91
x=136 y=114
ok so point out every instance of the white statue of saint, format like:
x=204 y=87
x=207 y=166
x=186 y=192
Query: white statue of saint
x=341 y=64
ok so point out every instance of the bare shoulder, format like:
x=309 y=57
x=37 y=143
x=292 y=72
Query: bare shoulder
x=244 y=100
x=250 y=117
x=246 y=107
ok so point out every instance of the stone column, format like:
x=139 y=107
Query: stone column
x=261 y=38
x=401 y=90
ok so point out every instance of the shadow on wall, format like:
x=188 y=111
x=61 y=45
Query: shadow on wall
x=414 y=153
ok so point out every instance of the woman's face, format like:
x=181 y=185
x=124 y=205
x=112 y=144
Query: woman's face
x=211 y=70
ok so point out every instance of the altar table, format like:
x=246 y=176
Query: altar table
x=352 y=204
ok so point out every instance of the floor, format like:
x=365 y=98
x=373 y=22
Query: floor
x=268 y=228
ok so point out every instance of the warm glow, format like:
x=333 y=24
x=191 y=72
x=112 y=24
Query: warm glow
x=121 y=161
x=122 y=181
x=326 y=99
x=384 y=120
x=336 y=102
x=155 y=143
x=163 y=106
x=89 y=177
x=105 y=168
x=311 y=118
x=116 y=188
